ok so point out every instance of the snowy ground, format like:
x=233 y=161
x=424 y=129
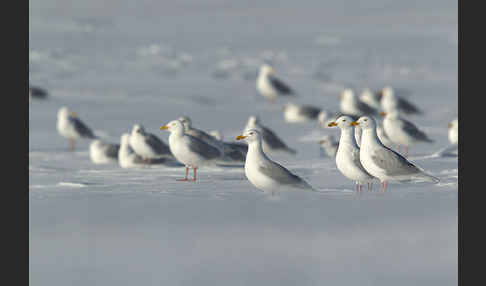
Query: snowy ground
x=148 y=62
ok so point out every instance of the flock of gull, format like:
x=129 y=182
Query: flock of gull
x=370 y=125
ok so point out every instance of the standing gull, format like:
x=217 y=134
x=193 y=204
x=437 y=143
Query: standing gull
x=351 y=105
x=382 y=162
x=454 y=131
x=294 y=113
x=347 y=156
x=402 y=132
x=271 y=87
x=71 y=127
x=262 y=172
x=271 y=142
x=147 y=145
x=103 y=153
x=189 y=150
x=390 y=101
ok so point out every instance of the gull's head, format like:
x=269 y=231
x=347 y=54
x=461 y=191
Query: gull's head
x=63 y=112
x=266 y=70
x=137 y=129
x=252 y=121
x=454 y=124
x=186 y=121
x=125 y=139
x=365 y=122
x=343 y=122
x=173 y=126
x=346 y=94
x=387 y=91
x=250 y=135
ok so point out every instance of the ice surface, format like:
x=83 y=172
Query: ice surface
x=118 y=63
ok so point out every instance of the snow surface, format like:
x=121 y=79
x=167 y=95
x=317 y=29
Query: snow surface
x=118 y=63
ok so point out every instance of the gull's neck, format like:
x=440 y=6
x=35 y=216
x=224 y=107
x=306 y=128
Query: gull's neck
x=347 y=136
x=255 y=150
x=369 y=138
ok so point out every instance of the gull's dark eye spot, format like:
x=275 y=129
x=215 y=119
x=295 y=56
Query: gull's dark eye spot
x=344 y=120
x=366 y=120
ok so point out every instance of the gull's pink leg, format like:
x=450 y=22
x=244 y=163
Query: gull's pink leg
x=398 y=148
x=406 y=151
x=185 y=179
x=194 y=179
x=360 y=187
x=385 y=183
x=72 y=144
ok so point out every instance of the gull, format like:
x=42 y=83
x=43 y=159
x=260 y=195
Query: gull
x=71 y=127
x=264 y=173
x=271 y=142
x=324 y=117
x=189 y=150
x=454 y=131
x=328 y=146
x=351 y=105
x=401 y=131
x=227 y=151
x=390 y=101
x=147 y=145
x=271 y=87
x=370 y=98
x=382 y=162
x=103 y=153
x=294 y=113
x=347 y=156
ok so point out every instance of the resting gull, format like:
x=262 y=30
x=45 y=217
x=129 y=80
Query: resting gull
x=347 y=156
x=390 y=101
x=351 y=105
x=402 y=132
x=271 y=87
x=103 y=153
x=71 y=127
x=264 y=173
x=189 y=150
x=294 y=113
x=147 y=145
x=271 y=142
x=127 y=158
x=382 y=162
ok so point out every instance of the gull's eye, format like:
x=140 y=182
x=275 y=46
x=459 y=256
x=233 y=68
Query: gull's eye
x=366 y=120
x=344 y=120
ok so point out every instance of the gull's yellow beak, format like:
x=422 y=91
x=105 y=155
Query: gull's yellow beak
x=165 y=127
x=341 y=95
x=450 y=125
x=74 y=114
x=354 y=123
x=382 y=113
x=332 y=124
x=239 y=137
